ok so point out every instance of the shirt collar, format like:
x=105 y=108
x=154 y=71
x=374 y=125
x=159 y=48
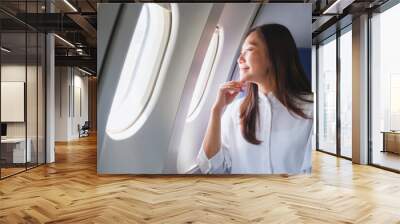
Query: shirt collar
x=270 y=96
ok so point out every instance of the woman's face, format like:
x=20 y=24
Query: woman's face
x=254 y=61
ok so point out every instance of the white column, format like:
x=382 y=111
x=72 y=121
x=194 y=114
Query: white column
x=50 y=99
x=50 y=93
x=360 y=90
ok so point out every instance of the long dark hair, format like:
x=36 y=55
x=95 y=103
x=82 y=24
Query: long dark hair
x=290 y=81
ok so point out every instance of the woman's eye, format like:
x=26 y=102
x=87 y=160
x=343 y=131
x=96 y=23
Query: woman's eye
x=246 y=50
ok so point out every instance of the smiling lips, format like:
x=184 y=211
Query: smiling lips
x=243 y=68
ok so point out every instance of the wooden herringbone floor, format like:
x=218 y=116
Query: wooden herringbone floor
x=70 y=191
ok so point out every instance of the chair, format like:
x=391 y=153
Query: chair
x=84 y=130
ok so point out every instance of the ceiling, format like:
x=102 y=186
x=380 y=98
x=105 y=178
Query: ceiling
x=76 y=22
x=77 y=25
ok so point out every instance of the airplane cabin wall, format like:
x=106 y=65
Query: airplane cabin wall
x=235 y=21
x=297 y=17
x=164 y=140
x=146 y=150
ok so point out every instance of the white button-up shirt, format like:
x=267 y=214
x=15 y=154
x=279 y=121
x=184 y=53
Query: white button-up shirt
x=285 y=146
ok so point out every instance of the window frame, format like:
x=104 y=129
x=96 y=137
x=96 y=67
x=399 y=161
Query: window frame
x=194 y=111
x=333 y=37
x=371 y=15
x=125 y=131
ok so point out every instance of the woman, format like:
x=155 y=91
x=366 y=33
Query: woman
x=269 y=131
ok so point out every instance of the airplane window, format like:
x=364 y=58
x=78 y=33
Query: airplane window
x=141 y=67
x=206 y=72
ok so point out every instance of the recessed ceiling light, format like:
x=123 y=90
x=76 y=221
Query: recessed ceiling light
x=84 y=71
x=337 y=7
x=64 y=40
x=5 y=50
x=70 y=5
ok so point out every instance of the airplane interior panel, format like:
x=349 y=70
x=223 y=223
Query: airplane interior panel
x=156 y=96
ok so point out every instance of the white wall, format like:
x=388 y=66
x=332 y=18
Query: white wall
x=33 y=126
x=69 y=82
x=80 y=83
x=61 y=103
x=16 y=72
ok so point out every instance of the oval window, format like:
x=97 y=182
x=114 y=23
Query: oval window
x=141 y=68
x=206 y=72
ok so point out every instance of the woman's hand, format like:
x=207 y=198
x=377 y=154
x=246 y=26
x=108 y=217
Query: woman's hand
x=227 y=92
x=212 y=140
